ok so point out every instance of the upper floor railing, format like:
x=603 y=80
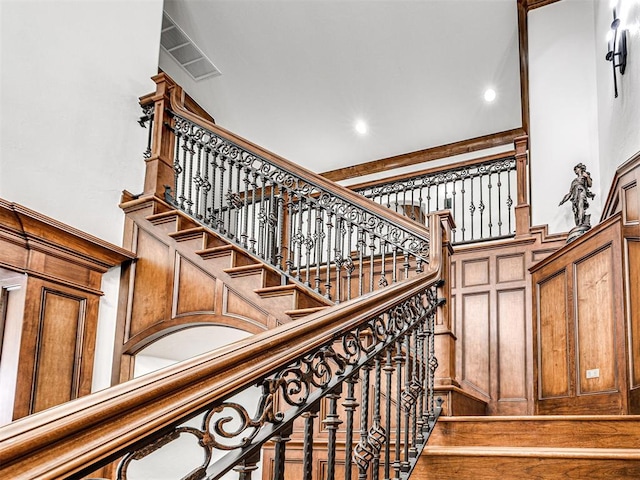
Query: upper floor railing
x=366 y=366
x=310 y=229
x=482 y=194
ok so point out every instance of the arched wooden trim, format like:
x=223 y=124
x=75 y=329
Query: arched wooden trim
x=162 y=329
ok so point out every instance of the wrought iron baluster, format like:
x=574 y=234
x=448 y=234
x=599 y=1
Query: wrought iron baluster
x=406 y=402
x=247 y=466
x=363 y=451
x=327 y=285
x=338 y=255
x=398 y=359
x=350 y=404
x=349 y=266
x=279 y=456
x=360 y=245
x=462 y=209
x=279 y=229
x=263 y=216
x=198 y=182
x=383 y=278
x=509 y=201
x=388 y=372
x=309 y=241
x=291 y=212
x=307 y=449
x=490 y=195
x=377 y=434
x=319 y=237
x=372 y=266
x=481 y=207
x=332 y=422
x=221 y=190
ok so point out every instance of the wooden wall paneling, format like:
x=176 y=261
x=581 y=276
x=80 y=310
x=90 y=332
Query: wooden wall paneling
x=631 y=203
x=633 y=309
x=58 y=350
x=190 y=292
x=579 y=307
x=595 y=323
x=476 y=342
x=56 y=347
x=475 y=272
x=511 y=344
x=553 y=337
x=152 y=285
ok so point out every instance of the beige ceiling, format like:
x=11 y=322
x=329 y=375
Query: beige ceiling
x=297 y=74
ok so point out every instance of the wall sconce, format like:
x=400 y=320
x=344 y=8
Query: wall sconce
x=617 y=53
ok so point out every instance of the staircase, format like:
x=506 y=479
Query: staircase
x=541 y=447
x=224 y=260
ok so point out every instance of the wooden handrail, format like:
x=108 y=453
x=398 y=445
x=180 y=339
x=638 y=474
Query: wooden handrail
x=80 y=436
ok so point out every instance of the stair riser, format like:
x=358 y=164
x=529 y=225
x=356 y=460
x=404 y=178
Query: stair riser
x=543 y=433
x=503 y=468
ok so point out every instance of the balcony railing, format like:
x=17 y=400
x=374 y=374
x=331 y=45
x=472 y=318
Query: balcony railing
x=481 y=194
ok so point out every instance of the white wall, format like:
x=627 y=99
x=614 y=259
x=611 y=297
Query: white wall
x=71 y=74
x=563 y=108
x=619 y=118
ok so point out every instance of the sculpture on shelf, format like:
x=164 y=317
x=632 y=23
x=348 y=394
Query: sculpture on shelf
x=579 y=194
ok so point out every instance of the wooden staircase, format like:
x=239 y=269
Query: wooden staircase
x=245 y=271
x=532 y=447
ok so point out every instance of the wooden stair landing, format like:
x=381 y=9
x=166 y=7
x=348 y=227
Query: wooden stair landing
x=536 y=447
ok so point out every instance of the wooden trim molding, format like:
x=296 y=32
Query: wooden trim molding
x=44 y=234
x=532 y=4
x=427 y=155
x=523 y=47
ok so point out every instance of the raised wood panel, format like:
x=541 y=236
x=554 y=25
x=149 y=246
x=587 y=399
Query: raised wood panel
x=475 y=272
x=510 y=268
x=553 y=334
x=631 y=204
x=194 y=289
x=452 y=276
x=475 y=333
x=595 y=322
x=236 y=306
x=633 y=259
x=152 y=275
x=58 y=350
x=511 y=345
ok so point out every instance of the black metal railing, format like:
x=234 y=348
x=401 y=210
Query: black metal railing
x=380 y=371
x=312 y=234
x=481 y=197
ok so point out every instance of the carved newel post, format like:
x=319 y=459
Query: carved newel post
x=579 y=194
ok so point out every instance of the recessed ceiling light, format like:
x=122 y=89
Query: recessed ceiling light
x=490 y=95
x=361 y=127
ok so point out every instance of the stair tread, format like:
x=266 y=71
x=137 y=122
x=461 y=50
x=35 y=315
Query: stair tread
x=189 y=231
x=249 y=268
x=557 y=452
x=305 y=311
x=541 y=418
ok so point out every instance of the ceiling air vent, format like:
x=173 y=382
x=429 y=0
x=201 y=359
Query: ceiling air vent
x=177 y=44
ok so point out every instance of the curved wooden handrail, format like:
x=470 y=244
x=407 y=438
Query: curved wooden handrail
x=79 y=436
x=177 y=105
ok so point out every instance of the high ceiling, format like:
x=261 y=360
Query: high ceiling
x=298 y=74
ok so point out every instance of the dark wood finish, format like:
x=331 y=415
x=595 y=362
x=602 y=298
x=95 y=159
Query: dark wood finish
x=80 y=435
x=51 y=326
x=523 y=49
x=531 y=4
x=579 y=326
x=491 y=308
x=422 y=156
x=570 y=431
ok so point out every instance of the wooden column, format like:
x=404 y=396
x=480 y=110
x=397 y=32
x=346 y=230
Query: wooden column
x=522 y=209
x=445 y=338
x=159 y=168
x=54 y=271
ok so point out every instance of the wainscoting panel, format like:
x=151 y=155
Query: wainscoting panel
x=553 y=337
x=512 y=359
